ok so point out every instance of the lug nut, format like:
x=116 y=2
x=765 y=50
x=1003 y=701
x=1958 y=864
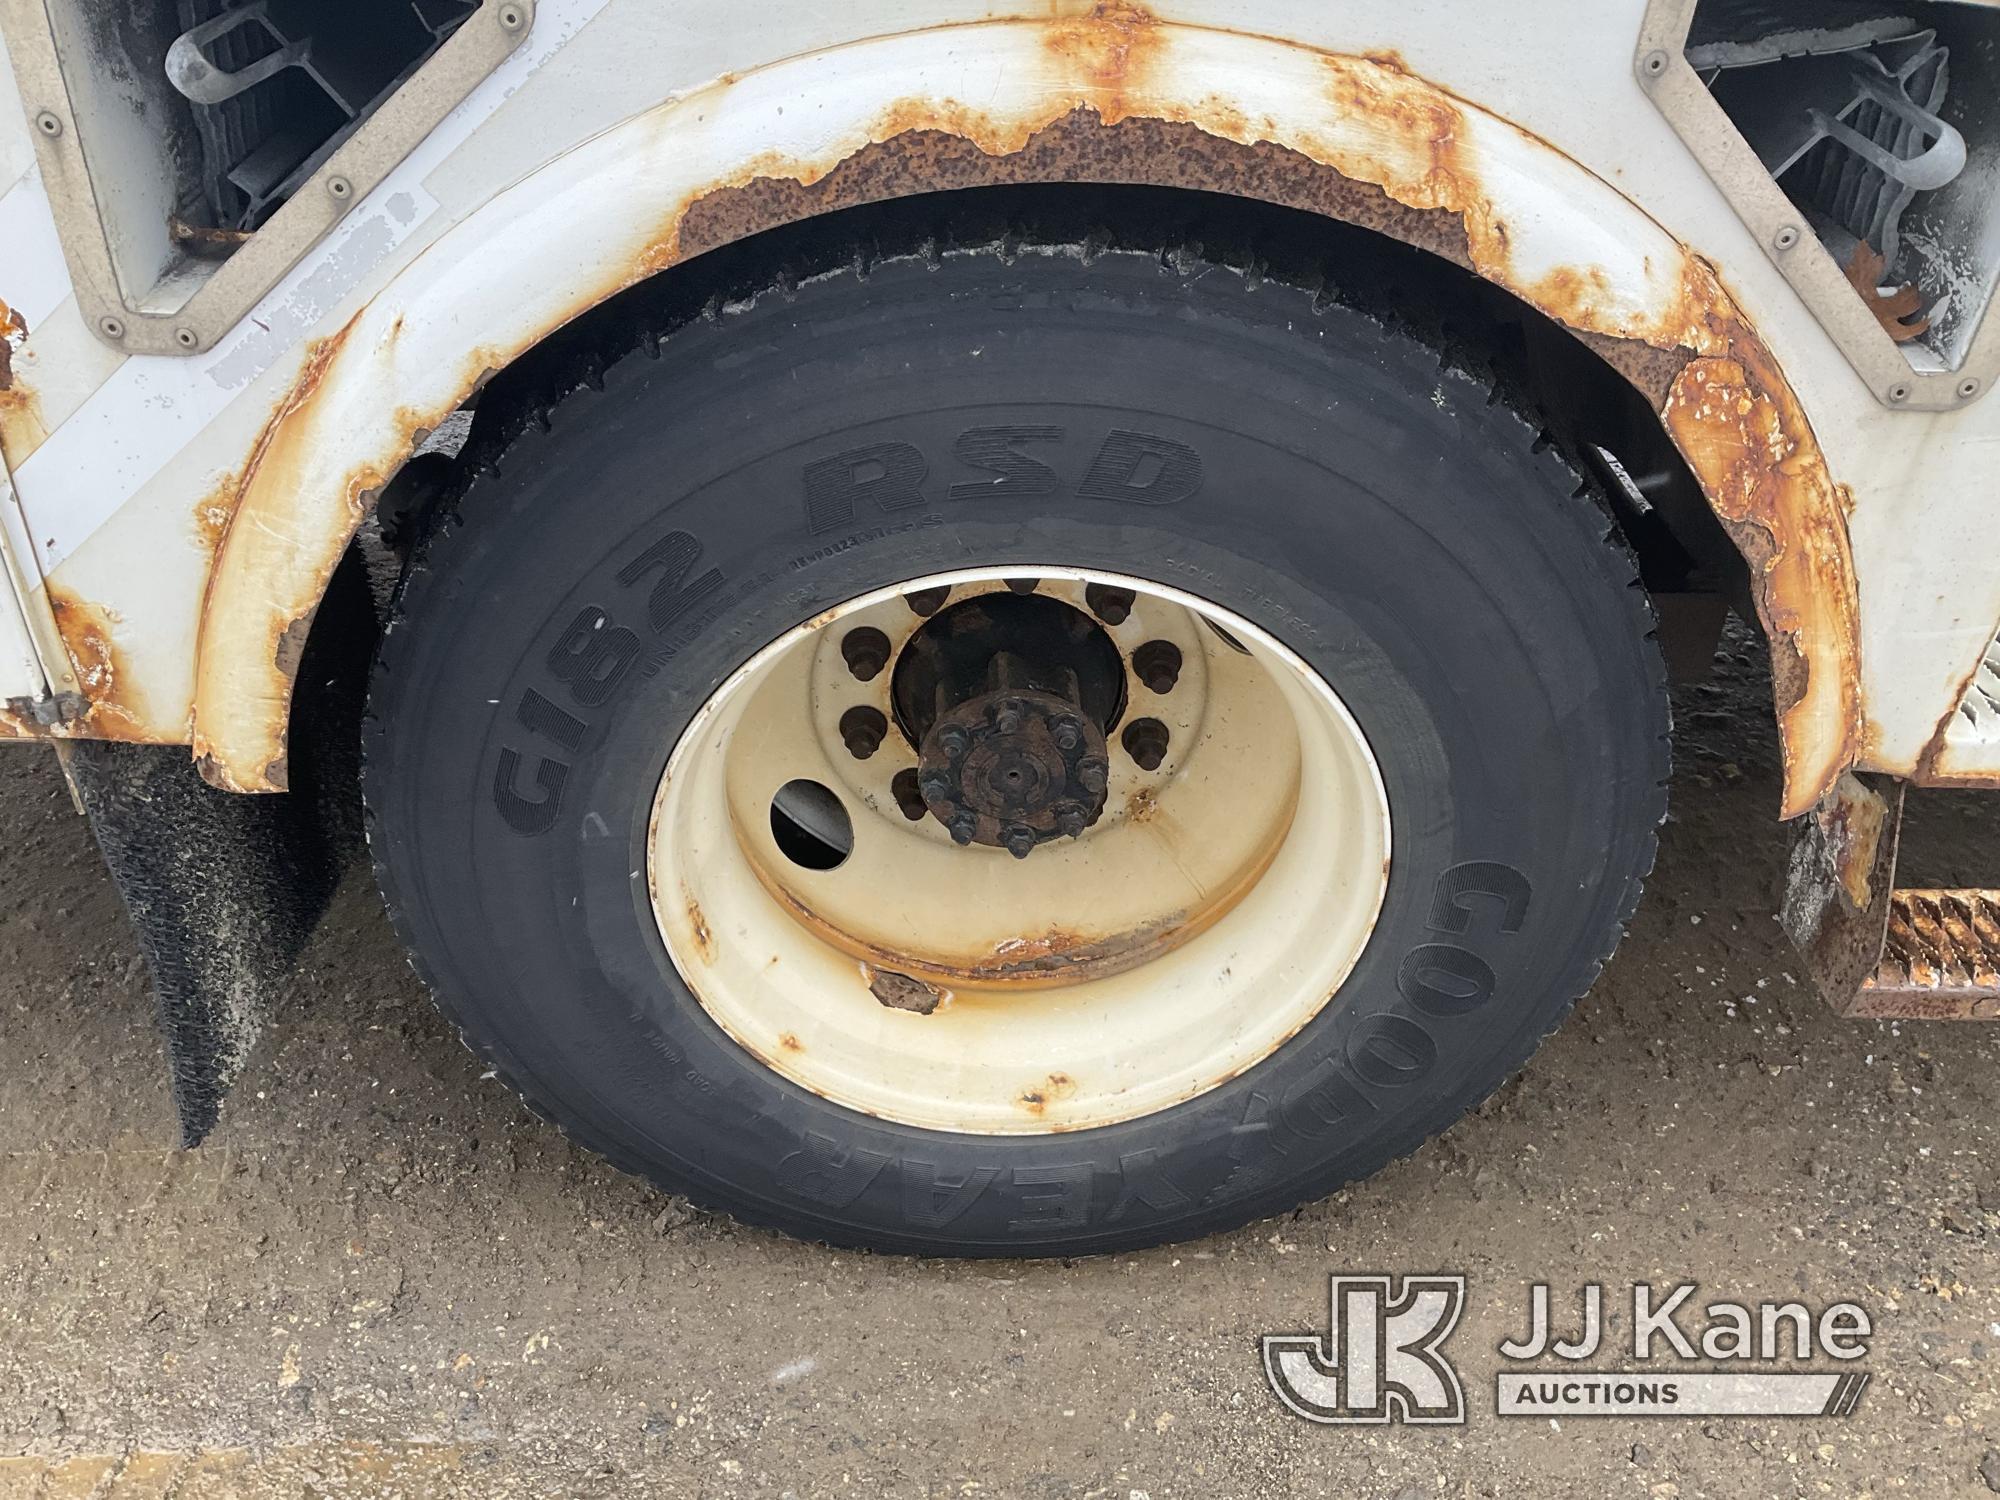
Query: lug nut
x=1109 y=604
x=1158 y=664
x=1145 y=740
x=1020 y=840
x=866 y=651
x=963 y=825
x=909 y=798
x=1007 y=716
x=953 y=740
x=927 y=602
x=1068 y=734
x=1072 y=820
x=935 y=785
x=861 y=730
x=1092 y=771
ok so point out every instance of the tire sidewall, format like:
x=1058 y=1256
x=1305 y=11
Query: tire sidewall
x=1362 y=503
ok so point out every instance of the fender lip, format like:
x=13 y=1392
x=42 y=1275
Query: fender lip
x=1114 y=96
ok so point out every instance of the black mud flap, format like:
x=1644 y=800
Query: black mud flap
x=224 y=889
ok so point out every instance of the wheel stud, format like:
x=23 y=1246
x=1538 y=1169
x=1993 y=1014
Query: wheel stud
x=963 y=825
x=1145 y=740
x=1110 y=605
x=927 y=602
x=861 y=730
x=909 y=797
x=1020 y=841
x=866 y=651
x=1158 y=664
x=1092 y=771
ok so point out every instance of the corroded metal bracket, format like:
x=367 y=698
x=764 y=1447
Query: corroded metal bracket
x=1839 y=883
x=1875 y=951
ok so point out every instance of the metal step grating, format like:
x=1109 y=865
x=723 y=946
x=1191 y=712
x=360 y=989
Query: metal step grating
x=1941 y=957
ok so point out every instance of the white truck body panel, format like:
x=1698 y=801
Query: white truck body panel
x=561 y=166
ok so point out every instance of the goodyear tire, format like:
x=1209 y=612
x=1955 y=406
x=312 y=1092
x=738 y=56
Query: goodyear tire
x=1329 y=482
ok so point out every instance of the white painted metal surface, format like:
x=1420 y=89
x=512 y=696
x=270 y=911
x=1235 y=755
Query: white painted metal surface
x=20 y=666
x=563 y=161
x=1972 y=743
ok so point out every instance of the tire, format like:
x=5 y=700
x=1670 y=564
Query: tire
x=1394 y=520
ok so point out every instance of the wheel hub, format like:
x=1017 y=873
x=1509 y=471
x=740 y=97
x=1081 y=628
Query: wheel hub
x=1008 y=698
x=1014 y=768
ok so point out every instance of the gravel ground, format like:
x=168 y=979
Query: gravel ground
x=382 y=1277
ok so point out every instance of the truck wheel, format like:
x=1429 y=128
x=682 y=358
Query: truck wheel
x=1017 y=755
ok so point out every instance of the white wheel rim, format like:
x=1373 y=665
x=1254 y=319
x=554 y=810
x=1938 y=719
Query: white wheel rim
x=1212 y=911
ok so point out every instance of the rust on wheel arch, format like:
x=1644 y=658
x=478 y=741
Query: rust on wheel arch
x=89 y=636
x=1412 y=175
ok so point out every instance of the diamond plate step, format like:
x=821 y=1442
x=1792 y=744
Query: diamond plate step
x=1941 y=959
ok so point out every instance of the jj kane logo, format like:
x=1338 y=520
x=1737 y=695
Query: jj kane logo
x=1383 y=1359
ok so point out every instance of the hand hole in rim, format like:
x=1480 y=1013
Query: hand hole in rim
x=811 y=825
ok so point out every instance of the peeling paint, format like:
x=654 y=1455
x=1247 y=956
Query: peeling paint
x=212 y=512
x=88 y=636
x=1746 y=437
x=22 y=426
x=217 y=515
x=1054 y=1089
x=13 y=328
x=1116 y=96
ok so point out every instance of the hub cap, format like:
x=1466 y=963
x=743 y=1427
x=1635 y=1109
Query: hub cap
x=1008 y=854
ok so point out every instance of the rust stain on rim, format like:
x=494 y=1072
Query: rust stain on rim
x=1416 y=180
x=1053 y=958
x=704 y=940
x=1038 y=1096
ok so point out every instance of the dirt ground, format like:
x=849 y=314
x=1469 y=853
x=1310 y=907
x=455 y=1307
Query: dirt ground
x=383 y=1277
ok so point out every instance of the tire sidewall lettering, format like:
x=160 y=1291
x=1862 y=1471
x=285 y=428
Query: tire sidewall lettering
x=706 y=558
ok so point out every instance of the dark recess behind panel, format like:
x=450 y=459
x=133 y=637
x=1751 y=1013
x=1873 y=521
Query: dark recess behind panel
x=1881 y=124
x=277 y=85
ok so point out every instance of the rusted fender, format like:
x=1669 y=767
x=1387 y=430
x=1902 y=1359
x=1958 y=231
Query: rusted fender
x=1112 y=97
